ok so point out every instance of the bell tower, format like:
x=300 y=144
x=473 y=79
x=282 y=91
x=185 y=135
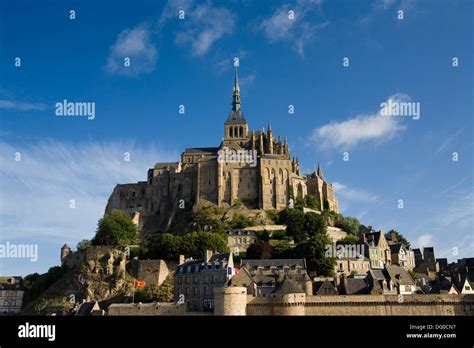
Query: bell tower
x=236 y=127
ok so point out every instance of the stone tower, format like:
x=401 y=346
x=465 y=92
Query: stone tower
x=65 y=251
x=236 y=127
x=230 y=300
x=288 y=298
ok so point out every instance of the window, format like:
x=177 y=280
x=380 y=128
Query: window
x=195 y=279
x=180 y=280
x=195 y=291
x=205 y=290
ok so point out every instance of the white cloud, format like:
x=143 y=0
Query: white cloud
x=203 y=26
x=36 y=191
x=353 y=194
x=20 y=106
x=137 y=45
x=298 y=30
x=424 y=240
x=362 y=128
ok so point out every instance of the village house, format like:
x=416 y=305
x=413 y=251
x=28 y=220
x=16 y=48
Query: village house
x=238 y=240
x=195 y=280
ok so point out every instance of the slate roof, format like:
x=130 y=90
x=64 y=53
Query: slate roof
x=279 y=263
x=395 y=248
x=217 y=261
x=399 y=275
x=355 y=286
x=287 y=286
x=324 y=287
x=236 y=232
x=86 y=308
x=235 y=117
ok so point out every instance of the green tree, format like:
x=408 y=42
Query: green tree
x=311 y=202
x=259 y=251
x=195 y=244
x=241 y=221
x=282 y=250
x=314 y=224
x=348 y=224
x=162 y=246
x=83 y=244
x=313 y=251
x=350 y=239
x=295 y=225
x=299 y=203
x=283 y=216
x=115 y=228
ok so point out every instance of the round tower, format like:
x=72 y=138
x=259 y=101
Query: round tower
x=288 y=298
x=230 y=300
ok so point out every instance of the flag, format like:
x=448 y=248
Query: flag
x=137 y=283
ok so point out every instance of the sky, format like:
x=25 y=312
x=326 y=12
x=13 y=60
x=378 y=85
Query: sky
x=411 y=173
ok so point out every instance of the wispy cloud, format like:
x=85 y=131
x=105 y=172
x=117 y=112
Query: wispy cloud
x=137 y=45
x=448 y=141
x=297 y=27
x=381 y=6
x=351 y=194
x=203 y=26
x=362 y=128
x=247 y=80
x=21 y=106
x=36 y=191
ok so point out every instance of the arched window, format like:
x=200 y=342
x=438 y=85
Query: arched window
x=280 y=174
x=230 y=132
x=241 y=132
x=268 y=175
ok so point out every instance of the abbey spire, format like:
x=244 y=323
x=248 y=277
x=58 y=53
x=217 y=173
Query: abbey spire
x=235 y=127
x=236 y=96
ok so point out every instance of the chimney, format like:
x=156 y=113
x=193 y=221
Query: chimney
x=393 y=235
x=181 y=259
x=207 y=255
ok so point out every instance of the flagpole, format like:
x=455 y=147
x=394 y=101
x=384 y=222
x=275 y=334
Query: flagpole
x=133 y=296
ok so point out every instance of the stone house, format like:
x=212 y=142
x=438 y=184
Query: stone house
x=376 y=247
x=402 y=256
x=195 y=280
x=260 y=277
x=351 y=265
x=11 y=295
x=238 y=240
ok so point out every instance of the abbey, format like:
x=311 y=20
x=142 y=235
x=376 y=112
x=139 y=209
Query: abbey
x=266 y=177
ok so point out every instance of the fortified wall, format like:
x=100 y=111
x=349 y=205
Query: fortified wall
x=229 y=301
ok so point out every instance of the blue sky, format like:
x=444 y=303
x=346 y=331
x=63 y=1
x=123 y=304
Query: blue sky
x=282 y=61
